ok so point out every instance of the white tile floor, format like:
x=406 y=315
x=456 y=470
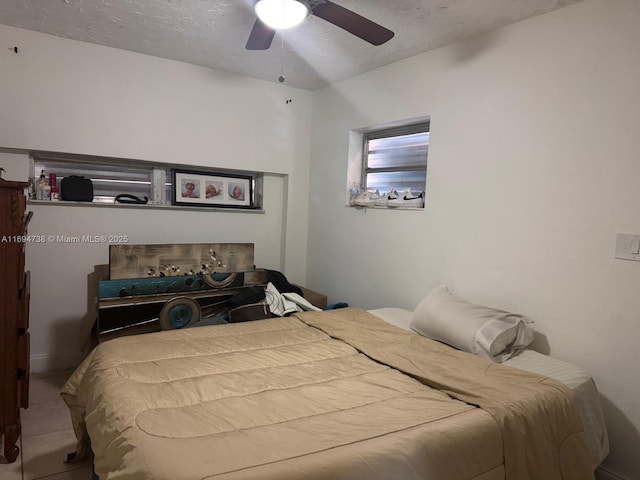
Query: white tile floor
x=47 y=436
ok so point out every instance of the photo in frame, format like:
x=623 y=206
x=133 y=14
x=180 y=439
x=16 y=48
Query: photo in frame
x=211 y=189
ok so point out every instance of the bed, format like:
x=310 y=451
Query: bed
x=340 y=394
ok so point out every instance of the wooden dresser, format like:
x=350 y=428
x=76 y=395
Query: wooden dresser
x=14 y=314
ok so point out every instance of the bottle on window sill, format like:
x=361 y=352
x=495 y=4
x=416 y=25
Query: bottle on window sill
x=54 y=193
x=39 y=184
x=46 y=190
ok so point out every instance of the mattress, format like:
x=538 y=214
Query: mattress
x=579 y=381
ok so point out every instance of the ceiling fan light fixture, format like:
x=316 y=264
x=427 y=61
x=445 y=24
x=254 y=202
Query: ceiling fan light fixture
x=281 y=14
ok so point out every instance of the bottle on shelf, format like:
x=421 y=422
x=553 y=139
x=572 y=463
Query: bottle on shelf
x=46 y=190
x=39 y=184
x=54 y=193
x=32 y=188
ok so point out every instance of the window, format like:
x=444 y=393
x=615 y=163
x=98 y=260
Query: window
x=108 y=180
x=394 y=161
x=110 y=177
x=113 y=176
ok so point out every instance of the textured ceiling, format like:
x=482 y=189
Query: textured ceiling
x=213 y=33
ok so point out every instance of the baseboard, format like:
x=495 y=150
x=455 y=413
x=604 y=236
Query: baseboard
x=603 y=473
x=54 y=361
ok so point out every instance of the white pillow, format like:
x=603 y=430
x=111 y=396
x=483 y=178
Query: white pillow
x=484 y=331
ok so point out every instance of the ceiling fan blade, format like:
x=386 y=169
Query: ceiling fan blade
x=352 y=22
x=260 y=37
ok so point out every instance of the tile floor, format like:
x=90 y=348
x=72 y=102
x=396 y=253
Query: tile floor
x=47 y=435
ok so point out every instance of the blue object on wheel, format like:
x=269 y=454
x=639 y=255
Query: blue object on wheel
x=180 y=315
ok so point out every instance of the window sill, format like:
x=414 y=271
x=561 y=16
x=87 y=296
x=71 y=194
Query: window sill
x=374 y=207
x=61 y=203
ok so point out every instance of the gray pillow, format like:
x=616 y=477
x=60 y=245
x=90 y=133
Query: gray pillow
x=476 y=329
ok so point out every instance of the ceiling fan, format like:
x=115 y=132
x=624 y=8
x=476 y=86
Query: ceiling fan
x=271 y=12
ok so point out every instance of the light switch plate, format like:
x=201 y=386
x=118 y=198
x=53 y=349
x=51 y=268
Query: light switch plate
x=627 y=246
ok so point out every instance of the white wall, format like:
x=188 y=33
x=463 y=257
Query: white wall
x=62 y=284
x=60 y=95
x=533 y=168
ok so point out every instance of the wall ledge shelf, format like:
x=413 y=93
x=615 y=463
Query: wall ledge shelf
x=63 y=203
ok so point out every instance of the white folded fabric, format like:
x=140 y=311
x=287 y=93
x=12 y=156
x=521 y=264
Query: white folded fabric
x=282 y=304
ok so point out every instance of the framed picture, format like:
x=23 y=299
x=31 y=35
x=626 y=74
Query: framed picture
x=211 y=189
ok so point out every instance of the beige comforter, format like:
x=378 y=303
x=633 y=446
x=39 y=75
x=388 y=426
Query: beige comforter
x=320 y=396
